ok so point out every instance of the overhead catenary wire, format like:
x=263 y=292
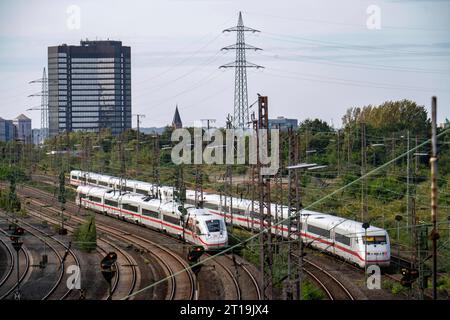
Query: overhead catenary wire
x=353 y=83
x=340 y=23
x=307 y=207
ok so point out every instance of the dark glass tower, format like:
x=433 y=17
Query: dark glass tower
x=89 y=87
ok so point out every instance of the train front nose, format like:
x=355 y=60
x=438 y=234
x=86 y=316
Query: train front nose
x=379 y=255
x=217 y=240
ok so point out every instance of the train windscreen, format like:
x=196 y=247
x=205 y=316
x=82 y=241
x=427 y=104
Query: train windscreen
x=213 y=225
x=374 y=239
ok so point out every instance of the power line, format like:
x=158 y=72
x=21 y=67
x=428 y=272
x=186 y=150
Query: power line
x=357 y=65
x=211 y=257
x=352 y=83
x=345 y=24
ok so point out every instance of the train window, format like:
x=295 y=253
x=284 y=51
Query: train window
x=255 y=215
x=140 y=191
x=103 y=183
x=129 y=207
x=92 y=181
x=374 y=240
x=342 y=239
x=95 y=199
x=171 y=219
x=74 y=178
x=213 y=225
x=129 y=189
x=319 y=231
x=82 y=195
x=285 y=222
x=150 y=213
x=111 y=203
x=209 y=206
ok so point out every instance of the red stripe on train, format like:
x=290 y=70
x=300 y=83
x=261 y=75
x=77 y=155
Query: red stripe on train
x=307 y=236
x=156 y=221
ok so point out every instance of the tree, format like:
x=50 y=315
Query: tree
x=391 y=116
x=86 y=235
x=13 y=201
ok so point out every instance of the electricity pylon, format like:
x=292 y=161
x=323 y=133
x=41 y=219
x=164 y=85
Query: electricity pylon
x=44 y=105
x=241 y=115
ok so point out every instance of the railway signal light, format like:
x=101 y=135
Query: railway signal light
x=108 y=269
x=17 y=234
x=408 y=277
x=106 y=266
x=195 y=253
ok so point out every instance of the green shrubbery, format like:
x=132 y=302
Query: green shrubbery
x=85 y=235
x=386 y=188
x=311 y=292
x=443 y=283
x=7 y=172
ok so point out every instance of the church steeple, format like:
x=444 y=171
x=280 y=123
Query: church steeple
x=176 y=122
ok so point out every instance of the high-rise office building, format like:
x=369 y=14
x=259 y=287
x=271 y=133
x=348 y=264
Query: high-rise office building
x=89 y=87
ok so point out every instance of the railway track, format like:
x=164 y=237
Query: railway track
x=182 y=284
x=331 y=285
x=246 y=287
x=182 y=280
x=28 y=227
x=234 y=272
x=10 y=264
x=118 y=288
x=11 y=281
x=248 y=290
x=256 y=293
x=53 y=293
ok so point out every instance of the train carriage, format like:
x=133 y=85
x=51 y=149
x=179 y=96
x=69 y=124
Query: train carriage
x=339 y=236
x=201 y=227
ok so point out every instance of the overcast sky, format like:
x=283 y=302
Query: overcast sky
x=320 y=57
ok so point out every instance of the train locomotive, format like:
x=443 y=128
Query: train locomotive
x=338 y=236
x=196 y=226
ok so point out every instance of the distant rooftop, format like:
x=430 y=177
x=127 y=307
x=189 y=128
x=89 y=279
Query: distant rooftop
x=22 y=117
x=86 y=43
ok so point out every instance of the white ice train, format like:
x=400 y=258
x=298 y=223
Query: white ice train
x=201 y=227
x=339 y=236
